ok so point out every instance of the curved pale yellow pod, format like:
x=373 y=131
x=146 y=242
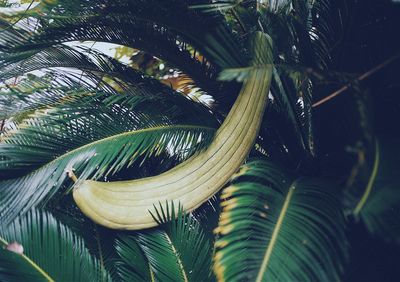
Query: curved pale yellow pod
x=126 y=204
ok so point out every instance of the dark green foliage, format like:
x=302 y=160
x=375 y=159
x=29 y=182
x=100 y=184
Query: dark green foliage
x=178 y=250
x=15 y=268
x=133 y=264
x=52 y=246
x=285 y=228
x=376 y=200
x=83 y=110
x=77 y=135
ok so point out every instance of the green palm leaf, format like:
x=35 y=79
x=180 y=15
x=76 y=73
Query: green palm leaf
x=51 y=252
x=277 y=228
x=189 y=240
x=178 y=250
x=34 y=93
x=219 y=5
x=133 y=264
x=163 y=256
x=140 y=25
x=16 y=267
x=78 y=135
x=93 y=63
x=378 y=206
x=286 y=22
x=99 y=241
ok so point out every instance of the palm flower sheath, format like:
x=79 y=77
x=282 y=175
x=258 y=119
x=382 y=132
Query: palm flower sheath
x=126 y=204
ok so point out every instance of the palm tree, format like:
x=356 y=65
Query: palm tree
x=72 y=114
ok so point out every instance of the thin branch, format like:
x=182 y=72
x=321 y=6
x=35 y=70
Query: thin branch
x=358 y=79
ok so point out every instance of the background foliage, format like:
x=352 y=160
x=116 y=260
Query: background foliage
x=318 y=199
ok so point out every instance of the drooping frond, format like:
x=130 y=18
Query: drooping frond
x=191 y=243
x=299 y=55
x=96 y=137
x=51 y=252
x=378 y=203
x=62 y=56
x=94 y=64
x=178 y=250
x=284 y=228
x=98 y=240
x=219 y=5
x=17 y=267
x=145 y=26
x=132 y=264
x=302 y=36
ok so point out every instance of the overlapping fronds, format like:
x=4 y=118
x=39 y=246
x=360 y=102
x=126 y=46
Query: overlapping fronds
x=218 y=5
x=98 y=118
x=377 y=204
x=51 y=252
x=274 y=227
x=96 y=136
x=132 y=264
x=145 y=26
x=178 y=250
x=301 y=33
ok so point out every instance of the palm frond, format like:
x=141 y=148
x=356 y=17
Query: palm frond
x=99 y=241
x=261 y=59
x=208 y=215
x=51 y=252
x=132 y=264
x=162 y=256
x=78 y=135
x=94 y=64
x=191 y=243
x=288 y=106
x=303 y=36
x=31 y=93
x=17 y=267
x=306 y=25
x=290 y=90
x=137 y=24
x=62 y=56
x=274 y=227
x=218 y=5
x=291 y=87
x=178 y=250
x=378 y=204
x=292 y=93
x=102 y=246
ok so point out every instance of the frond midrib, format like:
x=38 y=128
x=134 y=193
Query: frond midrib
x=132 y=133
x=371 y=182
x=150 y=129
x=178 y=259
x=274 y=237
x=32 y=263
